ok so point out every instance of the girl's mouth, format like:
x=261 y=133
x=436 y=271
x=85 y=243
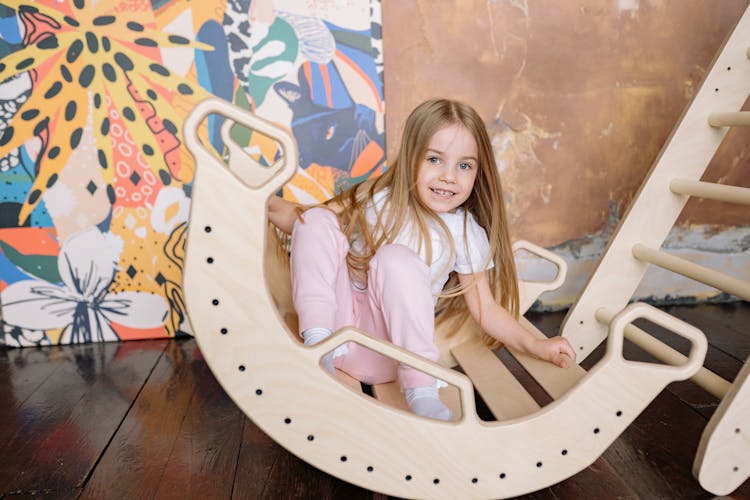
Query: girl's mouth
x=442 y=193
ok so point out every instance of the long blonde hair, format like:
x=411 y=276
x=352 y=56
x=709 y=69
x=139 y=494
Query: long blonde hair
x=404 y=205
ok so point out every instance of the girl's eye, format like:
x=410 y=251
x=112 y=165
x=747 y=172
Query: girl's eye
x=433 y=159
x=464 y=166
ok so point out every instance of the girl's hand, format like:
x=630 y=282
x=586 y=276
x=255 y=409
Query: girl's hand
x=556 y=350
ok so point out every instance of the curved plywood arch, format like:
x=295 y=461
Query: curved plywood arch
x=279 y=384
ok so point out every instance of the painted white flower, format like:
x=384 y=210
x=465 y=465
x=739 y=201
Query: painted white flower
x=81 y=306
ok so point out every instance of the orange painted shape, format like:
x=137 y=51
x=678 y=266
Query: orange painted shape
x=367 y=160
x=308 y=75
x=326 y=84
x=127 y=333
x=167 y=141
x=155 y=123
x=30 y=240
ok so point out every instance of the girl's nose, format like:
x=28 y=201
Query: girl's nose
x=447 y=175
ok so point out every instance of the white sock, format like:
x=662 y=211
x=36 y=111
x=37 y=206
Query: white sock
x=313 y=336
x=425 y=402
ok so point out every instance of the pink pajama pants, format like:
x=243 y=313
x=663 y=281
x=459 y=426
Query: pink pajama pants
x=397 y=304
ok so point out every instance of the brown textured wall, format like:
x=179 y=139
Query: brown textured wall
x=579 y=97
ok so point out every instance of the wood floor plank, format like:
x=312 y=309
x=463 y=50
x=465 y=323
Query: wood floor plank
x=655 y=453
x=22 y=371
x=203 y=459
x=136 y=460
x=727 y=326
x=268 y=471
x=64 y=426
x=72 y=494
x=599 y=480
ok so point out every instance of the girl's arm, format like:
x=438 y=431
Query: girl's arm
x=283 y=213
x=501 y=325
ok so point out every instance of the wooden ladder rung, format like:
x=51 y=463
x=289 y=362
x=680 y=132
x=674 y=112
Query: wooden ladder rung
x=502 y=393
x=710 y=190
x=704 y=378
x=729 y=119
x=694 y=271
x=554 y=380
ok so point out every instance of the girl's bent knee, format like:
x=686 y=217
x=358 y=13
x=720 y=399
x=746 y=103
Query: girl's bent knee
x=315 y=218
x=395 y=253
x=400 y=259
x=318 y=214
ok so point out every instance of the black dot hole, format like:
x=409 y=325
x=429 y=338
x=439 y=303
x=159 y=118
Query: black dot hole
x=210 y=260
x=343 y=458
x=241 y=368
x=735 y=468
x=596 y=430
x=207 y=229
x=408 y=477
x=564 y=452
x=619 y=413
x=539 y=465
x=716 y=89
x=503 y=475
x=737 y=430
x=436 y=481
x=224 y=331
x=258 y=391
x=215 y=302
x=310 y=437
x=287 y=420
x=370 y=468
x=474 y=480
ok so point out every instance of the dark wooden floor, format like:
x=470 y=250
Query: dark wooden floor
x=148 y=420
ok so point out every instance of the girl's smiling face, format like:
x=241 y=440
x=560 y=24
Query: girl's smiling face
x=446 y=174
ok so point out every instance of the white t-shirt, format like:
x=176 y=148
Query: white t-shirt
x=471 y=247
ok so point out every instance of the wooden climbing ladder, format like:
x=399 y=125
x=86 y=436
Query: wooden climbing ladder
x=723 y=459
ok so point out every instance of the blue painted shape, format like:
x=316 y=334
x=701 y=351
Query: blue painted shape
x=214 y=73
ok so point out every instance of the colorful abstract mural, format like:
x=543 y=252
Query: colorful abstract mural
x=95 y=180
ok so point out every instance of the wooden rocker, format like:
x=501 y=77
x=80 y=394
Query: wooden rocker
x=280 y=385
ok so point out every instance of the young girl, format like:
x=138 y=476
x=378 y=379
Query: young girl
x=380 y=255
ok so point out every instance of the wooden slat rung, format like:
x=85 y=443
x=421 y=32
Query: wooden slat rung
x=502 y=393
x=554 y=380
x=451 y=397
x=348 y=380
x=710 y=277
x=710 y=190
x=390 y=394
